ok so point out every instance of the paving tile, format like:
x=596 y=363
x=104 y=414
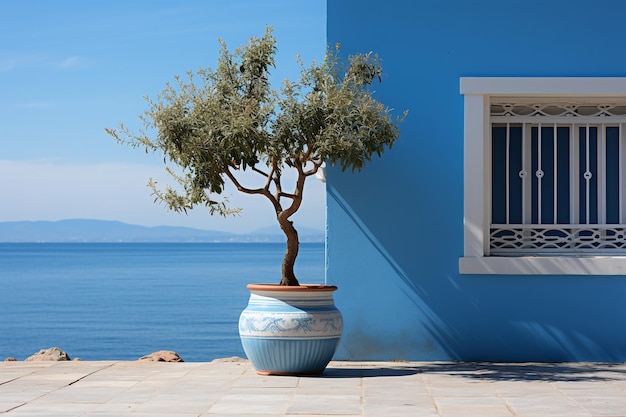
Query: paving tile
x=48 y=410
x=234 y=404
x=135 y=414
x=405 y=410
x=329 y=390
x=258 y=391
x=590 y=389
x=370 y=389
x=7 y=405
x=174 y=403
x=603 y=406
x=539 y=405
x=525 y=388
x=116 y=408
x=17 y=394
x=135 y=394
x=266 y=382
x=330 y=386
x=462 y=390
x=472 y=406
x=107 y=383
x=252 y=414
x=325 y=404
x=93 y=395
x=398 y=404
x=397 y=398
x=318 y=415
x=345 y=380
x=8 y=375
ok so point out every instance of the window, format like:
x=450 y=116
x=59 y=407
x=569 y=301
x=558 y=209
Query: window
x=545 y=176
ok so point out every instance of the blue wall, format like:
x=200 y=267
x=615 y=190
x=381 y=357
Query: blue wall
x=395 y=230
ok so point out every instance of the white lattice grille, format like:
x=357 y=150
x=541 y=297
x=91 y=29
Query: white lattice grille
x=557 y=177
x=529 y=239
x=552 y=110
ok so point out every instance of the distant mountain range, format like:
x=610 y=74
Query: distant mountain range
x=83 y=230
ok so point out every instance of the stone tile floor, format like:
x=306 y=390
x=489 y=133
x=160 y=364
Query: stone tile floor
x=371 y=389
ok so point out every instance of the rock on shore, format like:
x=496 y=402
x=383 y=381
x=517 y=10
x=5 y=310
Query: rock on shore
x=50 y=354
x=57 y=354
x=162 y=356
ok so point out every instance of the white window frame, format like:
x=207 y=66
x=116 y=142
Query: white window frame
x=477 y=92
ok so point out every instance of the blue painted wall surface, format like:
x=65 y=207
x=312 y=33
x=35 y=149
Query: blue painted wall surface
x=395 y=230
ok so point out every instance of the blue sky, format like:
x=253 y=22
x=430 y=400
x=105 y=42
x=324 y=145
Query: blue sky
x=68 y=69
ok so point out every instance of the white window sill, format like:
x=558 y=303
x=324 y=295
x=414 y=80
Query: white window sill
x=544 y=265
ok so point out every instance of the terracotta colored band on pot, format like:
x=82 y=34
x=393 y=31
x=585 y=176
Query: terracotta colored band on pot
x=286 y=288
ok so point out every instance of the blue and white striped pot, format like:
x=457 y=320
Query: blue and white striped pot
x=290 y=330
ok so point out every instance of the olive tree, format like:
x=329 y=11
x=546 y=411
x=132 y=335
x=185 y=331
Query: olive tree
x=214 y=124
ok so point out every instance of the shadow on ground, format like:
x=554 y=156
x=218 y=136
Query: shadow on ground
x=347 y=372
x=549 y=372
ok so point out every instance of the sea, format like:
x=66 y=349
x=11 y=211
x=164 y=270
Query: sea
x=121 y=301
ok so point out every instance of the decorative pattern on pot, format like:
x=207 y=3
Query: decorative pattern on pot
x=301 y=324
x=285 y=332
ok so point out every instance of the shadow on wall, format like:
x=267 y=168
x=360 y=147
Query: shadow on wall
x=365 y=340
x=512 y=318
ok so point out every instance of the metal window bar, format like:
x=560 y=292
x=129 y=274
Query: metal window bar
x=587 y=174
x=574 y=183
x=539 y=174
x=579 y=235
x=601 y=173
x=527 y=181
x=506 y=170
x=555 y=163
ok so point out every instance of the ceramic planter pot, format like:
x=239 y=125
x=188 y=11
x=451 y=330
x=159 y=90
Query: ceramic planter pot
x=290 y=330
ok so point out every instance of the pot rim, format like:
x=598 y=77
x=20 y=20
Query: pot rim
x=288 y=288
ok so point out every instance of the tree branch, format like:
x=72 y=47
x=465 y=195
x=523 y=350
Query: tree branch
x=262 y=191
x=316 y=167
x=255 y=169
x=240 y=187
x=296 y=197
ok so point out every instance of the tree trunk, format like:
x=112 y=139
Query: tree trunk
x=289 y=277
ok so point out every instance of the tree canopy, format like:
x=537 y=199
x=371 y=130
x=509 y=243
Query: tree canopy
x=216 y=123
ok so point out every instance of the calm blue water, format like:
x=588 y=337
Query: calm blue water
x=101 y=301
